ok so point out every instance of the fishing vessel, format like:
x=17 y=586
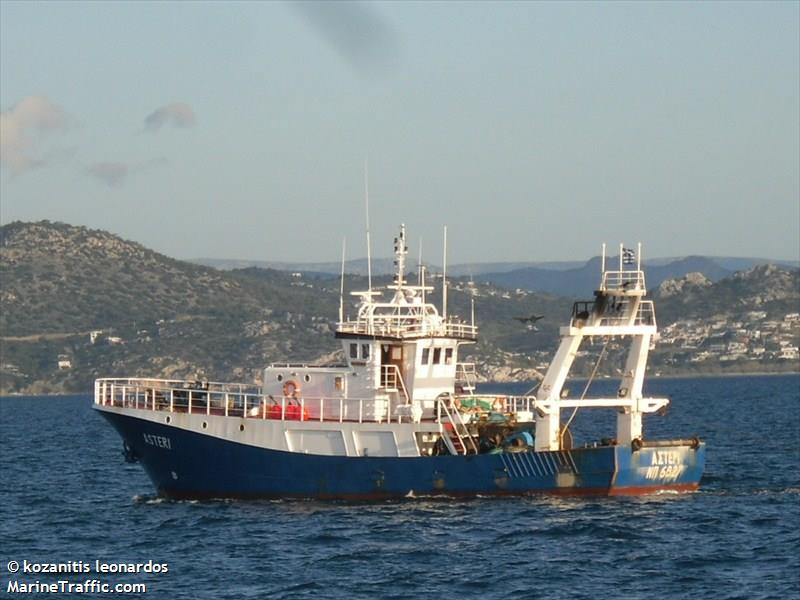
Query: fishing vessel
x=402 y=417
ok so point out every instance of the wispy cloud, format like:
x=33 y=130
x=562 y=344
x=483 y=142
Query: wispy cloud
x=355 y=30
x=178 y=114
x=115 y=174
x=21 y=128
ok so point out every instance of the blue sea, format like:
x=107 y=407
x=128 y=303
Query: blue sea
x=67 y=495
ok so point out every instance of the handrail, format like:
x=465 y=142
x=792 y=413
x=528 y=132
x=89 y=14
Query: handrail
x=248 y=401
x=240 y=400
x=625 y=280
x=448 y=329
x=463 y=373
x=454 y=416
x=583 y=310
x=391 y=373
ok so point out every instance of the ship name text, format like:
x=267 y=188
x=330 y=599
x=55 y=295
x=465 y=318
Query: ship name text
x=159 y=441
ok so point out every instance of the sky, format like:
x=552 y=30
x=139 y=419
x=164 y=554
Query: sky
x=532 y=131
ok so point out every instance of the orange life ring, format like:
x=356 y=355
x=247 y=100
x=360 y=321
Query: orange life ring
x=291 y=389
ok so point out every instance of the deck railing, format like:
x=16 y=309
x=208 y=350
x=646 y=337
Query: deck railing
x=248 y=401
x=466 y=376
x=623 y=280
x=400 y=327
x=237 y=400
x=616 y=314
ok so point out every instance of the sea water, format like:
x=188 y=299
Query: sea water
x=68 y=498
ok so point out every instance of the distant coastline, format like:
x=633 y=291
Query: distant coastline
x=651 y=377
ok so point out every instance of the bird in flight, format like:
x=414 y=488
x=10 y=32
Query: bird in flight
x=532 y=319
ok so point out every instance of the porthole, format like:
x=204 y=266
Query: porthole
x=241 y=427
x=205 y=425
x=307 y=378
x=168 y=419
x=279 y=377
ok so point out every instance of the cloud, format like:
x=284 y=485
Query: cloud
x=179 y=114
x=355 y=30
x=21 y=128
x=115 y=174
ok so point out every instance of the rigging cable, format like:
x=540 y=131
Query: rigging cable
x=585 y=389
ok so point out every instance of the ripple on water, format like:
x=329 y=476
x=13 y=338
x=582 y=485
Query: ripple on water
x=737 y=537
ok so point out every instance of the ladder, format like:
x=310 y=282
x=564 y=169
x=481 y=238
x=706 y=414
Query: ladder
x=458 y=439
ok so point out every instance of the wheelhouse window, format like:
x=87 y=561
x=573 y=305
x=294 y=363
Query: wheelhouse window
x=426 y=355
x=448 y=356
x=437 y=355
x=338 y=383
x=365 y=351
x=353 y=350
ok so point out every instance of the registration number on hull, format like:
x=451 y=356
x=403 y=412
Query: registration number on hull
x=665 y=466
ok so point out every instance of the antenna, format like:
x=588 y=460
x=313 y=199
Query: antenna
x=369 y=251
x=341 y=285
x=400 y=251
x=419 y=264
x=444 y=276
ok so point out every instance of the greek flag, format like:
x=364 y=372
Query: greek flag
x=628 y=256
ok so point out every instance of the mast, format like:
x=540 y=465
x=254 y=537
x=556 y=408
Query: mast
x=406 y=314
x=444 y=276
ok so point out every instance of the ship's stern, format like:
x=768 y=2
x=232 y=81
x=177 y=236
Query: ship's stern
x=648 y=467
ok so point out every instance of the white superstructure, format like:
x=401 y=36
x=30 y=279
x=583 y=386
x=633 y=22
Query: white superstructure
x=402 y=390
x=399 y=351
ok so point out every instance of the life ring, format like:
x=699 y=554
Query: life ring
x=291 y=389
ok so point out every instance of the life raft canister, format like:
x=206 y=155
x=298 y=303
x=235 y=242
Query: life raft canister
x=295 y=412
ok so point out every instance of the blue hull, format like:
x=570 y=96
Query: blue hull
x=198 y=466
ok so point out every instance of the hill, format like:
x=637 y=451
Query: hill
x=556 y=277
x=575 y=281
x=76 y=304
x=111 y=307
